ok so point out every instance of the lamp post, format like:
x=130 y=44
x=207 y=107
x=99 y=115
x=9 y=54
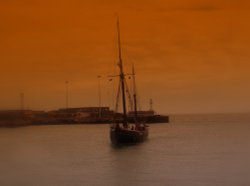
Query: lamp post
x=151 y=104
x=99 y=95
x=67 y=94
x=22 y=101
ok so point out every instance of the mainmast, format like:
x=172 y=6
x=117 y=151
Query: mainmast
x=134 y=94
x=122 y=77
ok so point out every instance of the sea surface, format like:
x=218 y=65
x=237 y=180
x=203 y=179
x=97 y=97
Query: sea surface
x=192 y=150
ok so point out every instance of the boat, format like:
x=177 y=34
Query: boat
x=121 y=131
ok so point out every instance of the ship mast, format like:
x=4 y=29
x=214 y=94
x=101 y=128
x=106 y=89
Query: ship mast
x=134 y=95
x=122 y=77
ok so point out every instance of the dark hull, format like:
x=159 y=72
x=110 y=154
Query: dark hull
x=126 y=136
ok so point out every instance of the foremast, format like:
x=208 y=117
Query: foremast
x=134 y=95
x=122 y=77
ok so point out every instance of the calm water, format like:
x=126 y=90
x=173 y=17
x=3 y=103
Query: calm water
x=192 y=150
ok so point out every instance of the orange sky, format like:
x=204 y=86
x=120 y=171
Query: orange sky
x=190 y=55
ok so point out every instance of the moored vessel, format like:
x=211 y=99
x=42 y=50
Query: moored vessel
x=121 y=131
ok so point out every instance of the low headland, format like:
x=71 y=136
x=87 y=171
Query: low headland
x=80 y=115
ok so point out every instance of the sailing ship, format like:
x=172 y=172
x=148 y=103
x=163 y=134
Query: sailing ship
x=121 y=131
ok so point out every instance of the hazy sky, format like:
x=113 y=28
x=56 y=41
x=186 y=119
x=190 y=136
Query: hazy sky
x=190 y=55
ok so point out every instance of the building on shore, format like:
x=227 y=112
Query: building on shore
x=82 y=115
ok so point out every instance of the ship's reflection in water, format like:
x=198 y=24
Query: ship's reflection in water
x=191 y=150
